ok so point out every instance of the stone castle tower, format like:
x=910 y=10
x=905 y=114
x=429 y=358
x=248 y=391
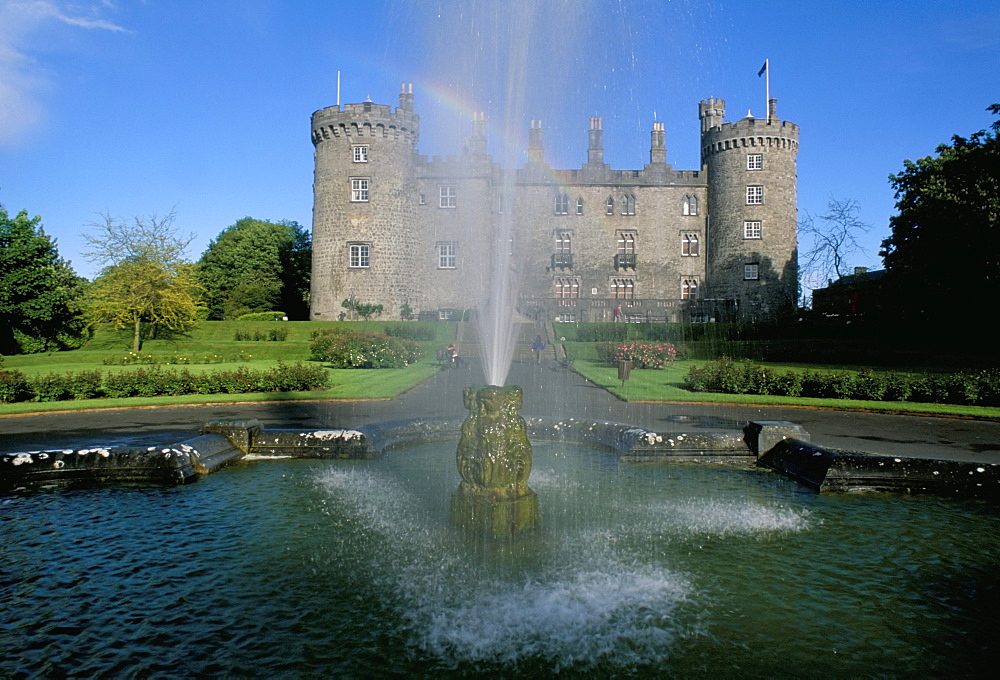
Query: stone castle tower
x=396 y=228
x=363 y=208
x=752 y=235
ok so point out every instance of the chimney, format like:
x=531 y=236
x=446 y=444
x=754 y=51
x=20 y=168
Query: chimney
x=658 y=144
x=406 y=96
x=595 y=148
x=535 y=147
x=477 y=144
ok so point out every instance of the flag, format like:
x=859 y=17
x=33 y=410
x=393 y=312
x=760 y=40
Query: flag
x=762 y=69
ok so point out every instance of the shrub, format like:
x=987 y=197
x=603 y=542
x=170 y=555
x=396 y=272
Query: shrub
x=603 y=332
x=85 y=384
x=646 y=354
x=262 y=316
x=356 y=349
x=50 y=387
x=606 y=351
x=272 y=335
x=14 y=387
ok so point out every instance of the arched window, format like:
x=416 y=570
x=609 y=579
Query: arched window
x=690 y=205
x=609 y=206
x=579 y=205
x=562 y=204
x=628 y=204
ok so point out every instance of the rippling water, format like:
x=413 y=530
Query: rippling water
x=315 y=568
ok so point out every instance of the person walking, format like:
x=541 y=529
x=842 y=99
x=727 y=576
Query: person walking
x=618 y=313
x=538 y=346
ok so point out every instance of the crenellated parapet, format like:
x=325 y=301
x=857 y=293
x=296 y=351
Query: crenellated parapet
x=751 y=133
x=365 y=121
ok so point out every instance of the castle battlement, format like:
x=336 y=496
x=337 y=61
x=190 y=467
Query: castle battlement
x=366 y=119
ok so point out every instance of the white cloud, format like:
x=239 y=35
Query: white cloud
x=23 y=79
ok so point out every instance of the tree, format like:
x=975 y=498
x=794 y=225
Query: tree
x=257 y=266
x=146 y=277
x=834 y=238
x=39 y=292
x=365 y=310
x=943 y=257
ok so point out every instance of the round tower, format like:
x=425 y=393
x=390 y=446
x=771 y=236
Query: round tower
x=752 y=256
x=364 y=197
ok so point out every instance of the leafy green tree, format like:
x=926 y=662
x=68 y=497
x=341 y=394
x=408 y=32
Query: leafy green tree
x=257 y=266
x=39 y=292
x=146 y=277
x=943 y=257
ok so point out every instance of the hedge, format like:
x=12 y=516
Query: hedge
x=155 y=381
x=970 y=388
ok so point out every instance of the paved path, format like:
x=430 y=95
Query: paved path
x=549 y=390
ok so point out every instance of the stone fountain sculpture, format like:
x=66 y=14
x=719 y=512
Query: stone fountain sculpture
x=494 y=460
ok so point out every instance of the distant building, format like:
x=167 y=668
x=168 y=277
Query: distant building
x=859 y=294
x=393 y=227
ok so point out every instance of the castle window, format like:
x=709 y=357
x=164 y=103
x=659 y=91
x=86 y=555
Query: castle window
x=567 y=290
x=689 y=289
x=625 y=254
x=563 y=257
x=755 y=195
x=359 y=255
x=579 y=205
x=562 y=204
x=751 y=229
x=447 y=197
x=689 y=245
x=423 y=199
x=359 y=190
x=623 y=289
x=689 y=206
x=628 y=204
x=609 y=206
x=755 y=161
x=446 y=255
x=751 y=271
x=504 y=204
x=360 y=153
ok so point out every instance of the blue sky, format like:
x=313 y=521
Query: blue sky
x=134 y=107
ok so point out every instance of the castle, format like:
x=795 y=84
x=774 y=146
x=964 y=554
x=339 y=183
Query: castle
x=393 y=227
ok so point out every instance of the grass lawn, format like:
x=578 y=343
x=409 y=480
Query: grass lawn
x=666 y=385
x=215 y=339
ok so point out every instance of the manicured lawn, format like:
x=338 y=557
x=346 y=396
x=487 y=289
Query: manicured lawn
x=666 y=385
x=215 y=339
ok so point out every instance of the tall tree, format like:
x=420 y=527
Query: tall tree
x=943 y=257
x=834 y=236
x=146 y=277
x=39 y=292
x=257 y=266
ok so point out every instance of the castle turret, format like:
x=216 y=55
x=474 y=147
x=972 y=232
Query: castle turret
x=752 y=235
x=363 y=205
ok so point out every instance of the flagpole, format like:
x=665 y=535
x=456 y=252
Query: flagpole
x=767 y=88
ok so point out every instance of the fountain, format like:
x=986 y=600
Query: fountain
x=494 y=461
